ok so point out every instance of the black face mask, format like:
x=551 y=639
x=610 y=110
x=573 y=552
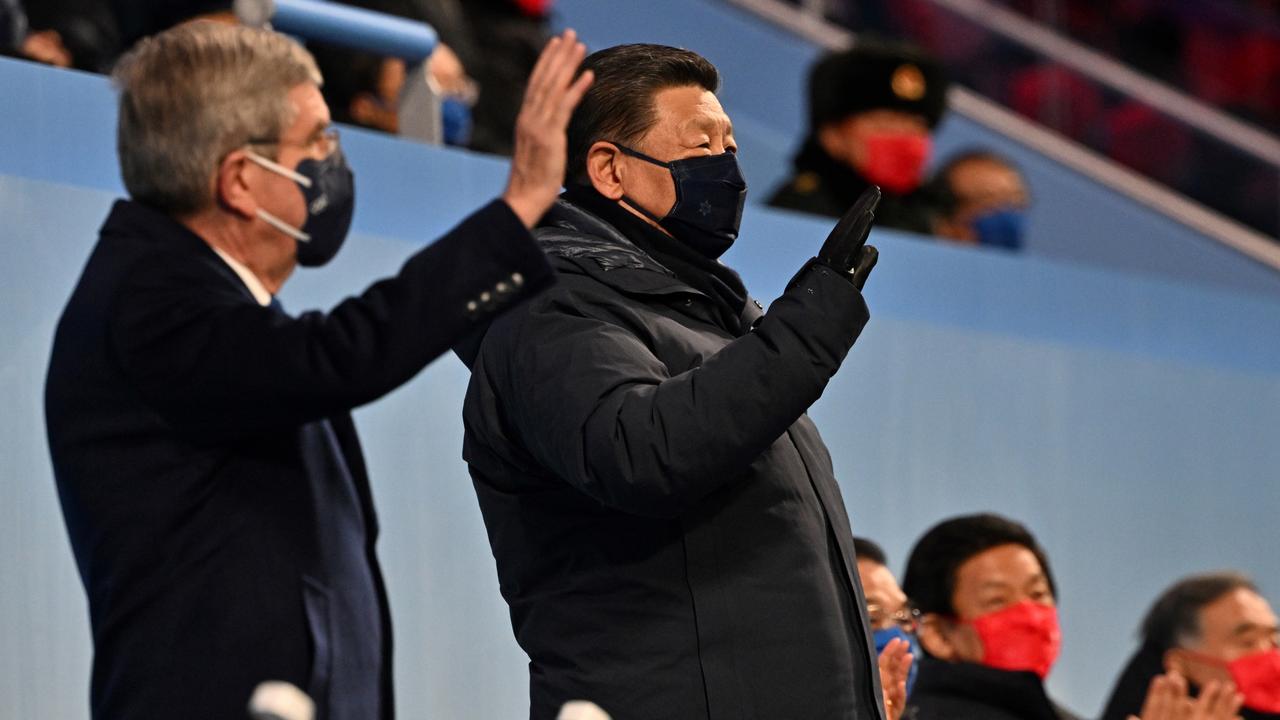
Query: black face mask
x=710 y=193
x=329 y=189
x=331 y=202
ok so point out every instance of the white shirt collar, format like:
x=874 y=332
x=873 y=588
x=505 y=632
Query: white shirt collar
x=246 y=275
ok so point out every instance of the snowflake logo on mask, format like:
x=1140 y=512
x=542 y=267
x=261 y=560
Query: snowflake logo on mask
x=705 y=208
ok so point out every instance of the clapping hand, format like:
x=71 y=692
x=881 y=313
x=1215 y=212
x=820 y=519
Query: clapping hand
x=895 y=666
x=1168 y=699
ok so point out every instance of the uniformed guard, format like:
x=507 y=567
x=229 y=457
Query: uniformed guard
x=871 y=111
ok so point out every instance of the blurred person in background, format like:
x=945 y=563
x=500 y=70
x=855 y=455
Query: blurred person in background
x=506 y=36
x=893 y=623
x=1213 y=629
x=364 y=89
x=989 y=622
x=982 y=200
x=79 y=34
x=137 y=19
x=495 y=44
x=361 y=88
x=888 y=609
x=487 y=50
x=872 y=110
x=13 y=25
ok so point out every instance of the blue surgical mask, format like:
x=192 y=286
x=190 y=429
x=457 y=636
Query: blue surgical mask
x=1000 y=228
x=710 y=194
x=455 y=115
x=882 y=638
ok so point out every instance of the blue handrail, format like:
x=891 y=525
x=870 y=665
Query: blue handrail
x=351 y=27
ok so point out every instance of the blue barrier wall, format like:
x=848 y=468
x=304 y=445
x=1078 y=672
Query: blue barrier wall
x=1127 y=419
x=764 y=70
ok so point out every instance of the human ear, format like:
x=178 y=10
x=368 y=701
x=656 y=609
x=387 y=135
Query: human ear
x=233 y=186
x=935 y=640
x=1175 y=660
x=604 y=170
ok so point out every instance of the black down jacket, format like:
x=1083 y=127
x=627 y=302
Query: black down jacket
x=969 y=691
x=668 y=531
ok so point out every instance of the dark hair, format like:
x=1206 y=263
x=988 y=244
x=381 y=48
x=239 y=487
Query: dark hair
x=350 y=73
x=973 y=154
x=930 y=580
x=347 y=74
x=1175 y=617
x=866 y=549
x=867 y=76
x=941 y=183
x=619 y=104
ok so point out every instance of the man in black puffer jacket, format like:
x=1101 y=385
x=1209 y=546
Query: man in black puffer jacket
x=667 y=527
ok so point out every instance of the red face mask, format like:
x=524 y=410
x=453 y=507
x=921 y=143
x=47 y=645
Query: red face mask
x=895 y=161
x=1024 y=636
x=1257 y=677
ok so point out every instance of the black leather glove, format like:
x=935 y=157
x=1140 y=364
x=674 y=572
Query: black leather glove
x=845 y=250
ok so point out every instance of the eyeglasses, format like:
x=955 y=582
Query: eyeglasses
x=323 y=143
x=906 y=617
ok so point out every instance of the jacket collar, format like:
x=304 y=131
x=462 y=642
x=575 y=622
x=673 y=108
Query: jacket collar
x=137 y=222
x=577 y=239
x=1020 y=694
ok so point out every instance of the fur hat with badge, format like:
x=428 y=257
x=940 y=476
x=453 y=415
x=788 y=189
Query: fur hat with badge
x=875 y=75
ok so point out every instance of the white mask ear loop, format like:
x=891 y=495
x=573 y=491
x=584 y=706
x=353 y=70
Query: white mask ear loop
x=283 y=226
x=279 y=169
x=295 y=176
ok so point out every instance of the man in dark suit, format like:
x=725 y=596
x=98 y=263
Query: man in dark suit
x=209 y=472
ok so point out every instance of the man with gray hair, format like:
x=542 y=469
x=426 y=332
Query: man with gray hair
x=1215 y=631
x=209 y=472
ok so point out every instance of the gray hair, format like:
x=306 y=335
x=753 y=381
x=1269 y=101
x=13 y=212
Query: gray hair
x=192 y=94
x=1174 y=620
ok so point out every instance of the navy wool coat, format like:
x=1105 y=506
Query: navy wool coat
x=209 y=472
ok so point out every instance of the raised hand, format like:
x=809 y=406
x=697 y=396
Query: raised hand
x=846 y=250
x=895 y=666
x=538 y=163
